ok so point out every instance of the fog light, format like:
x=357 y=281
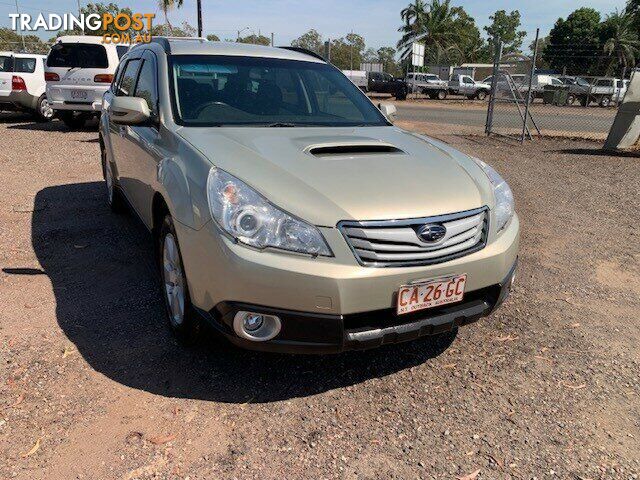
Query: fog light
x=252 y=322
x=257 y=327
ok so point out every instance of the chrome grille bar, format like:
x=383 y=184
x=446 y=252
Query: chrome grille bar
x=395 y=243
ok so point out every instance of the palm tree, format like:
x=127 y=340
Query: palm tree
x=165 y=6
x=623 y=43
x=430 y=24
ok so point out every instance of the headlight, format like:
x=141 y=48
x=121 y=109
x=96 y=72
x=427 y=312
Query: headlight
x=249 y=218
x=505 y=206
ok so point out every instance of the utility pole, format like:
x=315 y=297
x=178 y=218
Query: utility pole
x=24 y=48
x=199 y=7
x=240 y=31
x=351 y=51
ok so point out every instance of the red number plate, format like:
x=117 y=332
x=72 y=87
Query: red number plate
x=412 y=298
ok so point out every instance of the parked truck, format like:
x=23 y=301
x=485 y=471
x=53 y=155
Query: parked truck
x=428 y=84
x=378 y=82
x=467 y=86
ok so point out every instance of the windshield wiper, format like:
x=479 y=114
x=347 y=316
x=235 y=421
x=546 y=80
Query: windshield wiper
x=280 y=124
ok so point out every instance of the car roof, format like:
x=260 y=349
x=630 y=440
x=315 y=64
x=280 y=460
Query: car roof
x=28 y=55
x=81 y=39
x=197 y=46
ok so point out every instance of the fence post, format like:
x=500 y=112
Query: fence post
x=531 y=74
x=494 y=83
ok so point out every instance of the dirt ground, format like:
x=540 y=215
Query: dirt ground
x=94 y=387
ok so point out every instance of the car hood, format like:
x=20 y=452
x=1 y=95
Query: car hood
x=392 y=174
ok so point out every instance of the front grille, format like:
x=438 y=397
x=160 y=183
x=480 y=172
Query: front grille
x=395 y=243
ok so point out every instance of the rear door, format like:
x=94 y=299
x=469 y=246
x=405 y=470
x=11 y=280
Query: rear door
x=29 y=68
x=6 y=73
x=77 y=65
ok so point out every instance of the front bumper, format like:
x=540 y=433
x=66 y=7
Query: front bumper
x=320 y=334
x=341 y=302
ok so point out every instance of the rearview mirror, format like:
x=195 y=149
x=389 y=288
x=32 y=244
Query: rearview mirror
x=388 y=110
x=129 y=110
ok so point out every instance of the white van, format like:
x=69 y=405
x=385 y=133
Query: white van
x=22 y=85
x=79 y=70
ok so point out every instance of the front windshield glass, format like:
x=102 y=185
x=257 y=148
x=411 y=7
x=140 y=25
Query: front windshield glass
x=582 y=82
x=250 y=91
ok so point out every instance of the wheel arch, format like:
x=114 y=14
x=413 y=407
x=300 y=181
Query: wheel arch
x=159 y=209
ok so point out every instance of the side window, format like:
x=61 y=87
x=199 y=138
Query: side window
x=467 y=80
x=147 y=86
x=455 y=78
x=116 y=77
x=125 y=86
x=24 y=65
x=387 y=77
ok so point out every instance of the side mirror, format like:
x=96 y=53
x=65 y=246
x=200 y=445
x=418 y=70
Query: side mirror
x=130 y=110
x=388 y=110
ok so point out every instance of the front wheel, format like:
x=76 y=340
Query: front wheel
x=481 y=94
x=442 y=94
x=401 y=94
x=605 y=102
x=182 y=318
x=571 y=99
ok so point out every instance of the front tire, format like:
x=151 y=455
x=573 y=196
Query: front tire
x=181 y=316
x=605 y=102
x=401 y=94
x=481 y=94
x=442 y=94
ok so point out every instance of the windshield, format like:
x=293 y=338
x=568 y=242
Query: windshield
x=230 y=90
x=582 y=82
x=78 y=55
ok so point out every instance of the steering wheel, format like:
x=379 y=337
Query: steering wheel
x=201 y=108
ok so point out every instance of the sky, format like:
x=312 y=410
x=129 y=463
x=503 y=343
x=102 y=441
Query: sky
x=376 y=20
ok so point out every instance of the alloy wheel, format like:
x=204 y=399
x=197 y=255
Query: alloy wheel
x=45 y=109
x=173 y=279
x=108 y=177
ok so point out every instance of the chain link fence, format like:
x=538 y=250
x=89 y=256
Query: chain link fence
x=528 y=101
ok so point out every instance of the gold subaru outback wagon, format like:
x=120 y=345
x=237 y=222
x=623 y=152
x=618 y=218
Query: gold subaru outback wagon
x=289 y=212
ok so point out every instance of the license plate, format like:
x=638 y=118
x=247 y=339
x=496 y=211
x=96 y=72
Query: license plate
x=421 y=296
x=79 y=94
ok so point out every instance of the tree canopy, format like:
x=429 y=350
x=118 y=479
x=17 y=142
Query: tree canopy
x=504 y=26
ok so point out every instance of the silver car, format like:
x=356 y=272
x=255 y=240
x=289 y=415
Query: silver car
x=289 y=212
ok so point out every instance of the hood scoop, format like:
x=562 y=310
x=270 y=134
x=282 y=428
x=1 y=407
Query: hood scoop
x=351 y=149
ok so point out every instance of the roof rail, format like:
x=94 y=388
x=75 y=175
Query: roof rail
x=164 y=41
x=306 y=52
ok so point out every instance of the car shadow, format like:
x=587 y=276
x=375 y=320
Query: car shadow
x=103 y=274
x=601 y=152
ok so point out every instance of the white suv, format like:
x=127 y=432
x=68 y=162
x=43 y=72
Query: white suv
x=78 y=72
x=22 y=85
